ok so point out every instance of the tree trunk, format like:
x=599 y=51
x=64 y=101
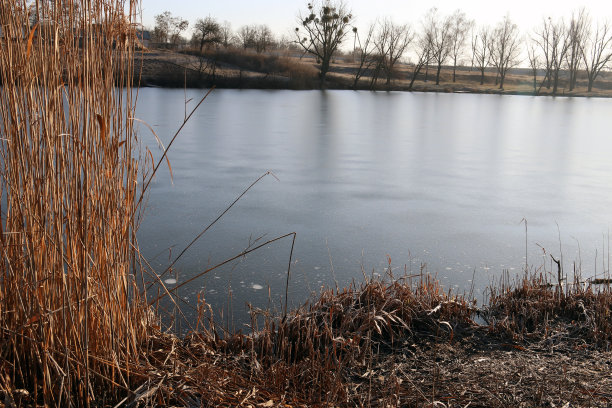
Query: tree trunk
x=360 y=72
x=375 y=76
x=388 y=72
x=482 y=72
x=323 y=72
x=415 y=73
x=438 y=74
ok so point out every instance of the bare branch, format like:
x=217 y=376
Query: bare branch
x=325 y=27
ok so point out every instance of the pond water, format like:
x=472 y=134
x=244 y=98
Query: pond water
x=439 y=181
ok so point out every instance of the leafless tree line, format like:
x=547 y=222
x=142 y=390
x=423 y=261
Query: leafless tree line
x=572 y=46
x=380 y=50
x=441 y=40
x=209 y=33
x=555 y=49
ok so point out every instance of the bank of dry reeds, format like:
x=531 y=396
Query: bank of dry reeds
x=71 y=321
x=537 y=301
x=399 y=342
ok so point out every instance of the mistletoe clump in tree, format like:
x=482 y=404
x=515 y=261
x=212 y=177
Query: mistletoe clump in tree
x=325 y=26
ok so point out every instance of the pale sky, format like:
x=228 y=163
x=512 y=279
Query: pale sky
x=280 y=15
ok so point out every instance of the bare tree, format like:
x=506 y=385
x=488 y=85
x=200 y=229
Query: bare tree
x=505 y=48
x=439 y=34
x=207 y=32
x=460 y=26
x=576 y=35
x=427 y=59
x=263 y=38
x=542 y=38
x=534 y=64
x=560 y=46
x=364 y=50
x=247 y=36
x=325 y=27
x=162 y=27
x=554 y=44
x=597 y=52
x=378 y=65
x=287 y=44
x=391 y=43
x=168 y=28
x=423 y=53
x=481 y=50
x=225 y=32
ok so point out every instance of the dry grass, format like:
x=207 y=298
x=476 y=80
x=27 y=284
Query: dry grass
x=266 y=63
x=524 y=310
x=395 y=342
x=71 y=320
x=230 y=68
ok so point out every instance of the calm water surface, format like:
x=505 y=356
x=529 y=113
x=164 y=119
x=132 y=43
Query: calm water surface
x=436 y=179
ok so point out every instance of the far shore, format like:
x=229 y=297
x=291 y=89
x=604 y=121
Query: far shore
x=169 y=69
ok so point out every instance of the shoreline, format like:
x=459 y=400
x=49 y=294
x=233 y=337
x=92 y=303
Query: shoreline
x=400 y=342
x=397 y=341
x=177 y=70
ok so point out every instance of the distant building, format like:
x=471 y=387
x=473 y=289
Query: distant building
x=144 y=37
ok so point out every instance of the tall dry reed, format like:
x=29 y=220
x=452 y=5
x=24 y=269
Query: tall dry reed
x=71 y=321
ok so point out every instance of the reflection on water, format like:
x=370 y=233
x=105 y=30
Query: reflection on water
x=440 y=179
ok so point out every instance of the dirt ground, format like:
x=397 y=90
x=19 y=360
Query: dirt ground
x=475 y=369
x=481 y=371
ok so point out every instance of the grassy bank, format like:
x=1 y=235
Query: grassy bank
x=226 y=69
x=396 y=342
x=392 y=342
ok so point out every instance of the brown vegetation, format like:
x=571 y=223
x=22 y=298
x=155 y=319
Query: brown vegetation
x=402 y=342
x=71 y=321
x=395 y=342
x=225 y=68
